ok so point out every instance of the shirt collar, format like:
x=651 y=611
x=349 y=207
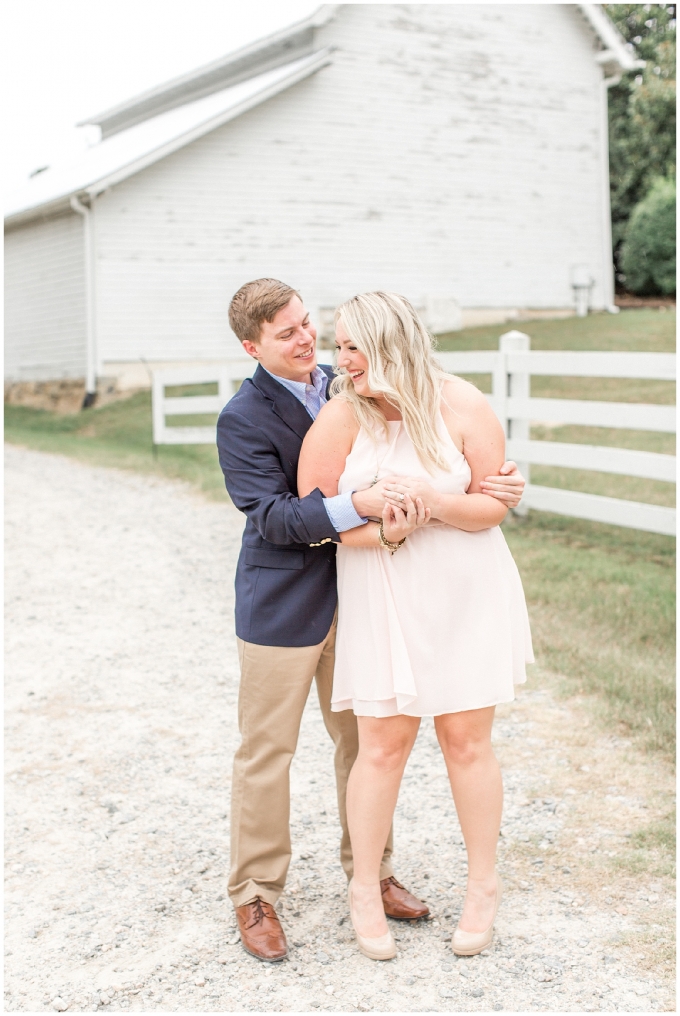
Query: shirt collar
x=299 y=388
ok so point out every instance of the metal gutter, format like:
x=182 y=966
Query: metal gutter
x=608 y=287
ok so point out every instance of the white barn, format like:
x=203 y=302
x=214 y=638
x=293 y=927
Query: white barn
x=454 y=153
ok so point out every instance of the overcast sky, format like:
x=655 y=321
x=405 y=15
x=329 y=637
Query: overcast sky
x=64 y=60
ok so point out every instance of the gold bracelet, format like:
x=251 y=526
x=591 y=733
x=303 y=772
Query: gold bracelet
x=384 y=542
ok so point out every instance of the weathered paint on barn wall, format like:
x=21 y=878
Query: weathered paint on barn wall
x=45 y=334
x=448 y=150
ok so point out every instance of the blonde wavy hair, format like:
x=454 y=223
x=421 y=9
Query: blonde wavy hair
x=401 y=367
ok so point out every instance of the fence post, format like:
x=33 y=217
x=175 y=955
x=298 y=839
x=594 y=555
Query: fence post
x=517 y=386
x=158 y=415
x=499 y=391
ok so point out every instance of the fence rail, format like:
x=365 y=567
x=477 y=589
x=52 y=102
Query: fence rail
x=603 y=459
x=510 y=368
x=628 y=415
x=223 y=375
x=650 y=366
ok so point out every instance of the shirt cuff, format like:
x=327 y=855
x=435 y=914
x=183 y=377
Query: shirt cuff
x=342 y=513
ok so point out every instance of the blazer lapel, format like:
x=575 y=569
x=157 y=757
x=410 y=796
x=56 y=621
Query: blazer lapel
x=292 y=412
x=284 y=403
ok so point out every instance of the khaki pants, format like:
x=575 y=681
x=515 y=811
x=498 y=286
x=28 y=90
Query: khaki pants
x=275 y=683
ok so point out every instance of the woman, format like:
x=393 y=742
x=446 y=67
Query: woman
x=432 y=619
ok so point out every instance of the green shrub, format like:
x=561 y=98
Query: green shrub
x=648 y=256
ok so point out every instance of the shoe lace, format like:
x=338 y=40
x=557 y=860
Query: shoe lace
x=391 y=880
x=259 y=912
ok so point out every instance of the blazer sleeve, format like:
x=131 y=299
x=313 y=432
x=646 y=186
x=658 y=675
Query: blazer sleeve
x=258 y=486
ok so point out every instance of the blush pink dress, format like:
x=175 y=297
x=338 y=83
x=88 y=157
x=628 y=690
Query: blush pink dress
x=441 y=625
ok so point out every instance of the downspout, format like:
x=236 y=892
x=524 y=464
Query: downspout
x=91 y=340
x=608 y=260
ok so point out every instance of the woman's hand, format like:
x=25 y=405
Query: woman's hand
x=399 y=522
x=397 y=488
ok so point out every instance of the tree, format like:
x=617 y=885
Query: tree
x=648 y=252
x=641 y=111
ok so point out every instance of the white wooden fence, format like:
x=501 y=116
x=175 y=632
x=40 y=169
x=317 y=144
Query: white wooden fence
x=511 y=368
x=224 y=375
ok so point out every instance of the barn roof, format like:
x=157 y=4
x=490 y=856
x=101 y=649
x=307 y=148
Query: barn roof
x=128 y=151
x=156 y=123
x=265 y=54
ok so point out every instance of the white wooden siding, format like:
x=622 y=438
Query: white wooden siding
x=45 y=301
x=449 y=151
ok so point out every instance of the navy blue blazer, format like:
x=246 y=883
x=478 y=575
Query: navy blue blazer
x=286 y=590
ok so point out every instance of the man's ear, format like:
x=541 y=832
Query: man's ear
x=251 y=349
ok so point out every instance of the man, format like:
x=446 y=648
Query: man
x=286 y=603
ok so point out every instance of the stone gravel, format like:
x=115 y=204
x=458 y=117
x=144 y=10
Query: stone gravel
x=122 y=682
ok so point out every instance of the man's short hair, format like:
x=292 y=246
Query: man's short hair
x=256 y=302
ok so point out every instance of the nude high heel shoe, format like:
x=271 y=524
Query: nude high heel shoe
x=469 y=943
x=381 y=948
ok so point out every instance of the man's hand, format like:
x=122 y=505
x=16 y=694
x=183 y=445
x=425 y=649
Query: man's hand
x=371 y=501
x=508 y=487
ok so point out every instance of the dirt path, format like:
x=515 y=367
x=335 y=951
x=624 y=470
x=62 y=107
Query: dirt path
x=122 y=683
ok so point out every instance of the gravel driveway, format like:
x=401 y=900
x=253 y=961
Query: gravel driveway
x=121 y=724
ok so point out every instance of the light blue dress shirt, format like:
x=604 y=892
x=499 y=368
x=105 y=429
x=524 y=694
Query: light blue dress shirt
x=341 y=511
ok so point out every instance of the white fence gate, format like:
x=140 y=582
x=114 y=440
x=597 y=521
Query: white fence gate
x=511 y=368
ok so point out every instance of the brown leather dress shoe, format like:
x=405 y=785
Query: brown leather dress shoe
x=399 y=903
x=261 y=932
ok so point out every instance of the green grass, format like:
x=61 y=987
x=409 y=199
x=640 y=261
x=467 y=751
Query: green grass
x=652 y=849
x=630 y=488
x=118 y=434
x=657 y=834
x=602 y=606
x=601 y=598
x=647 y=331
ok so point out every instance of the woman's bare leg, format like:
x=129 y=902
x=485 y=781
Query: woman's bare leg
x=372 y=790
x=465 y=740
